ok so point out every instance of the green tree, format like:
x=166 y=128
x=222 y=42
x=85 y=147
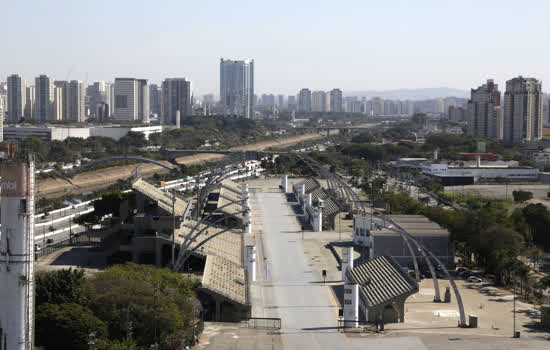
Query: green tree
x=133 y=139
x=537 y=218
x=522 y=196
x=67 y=326
x=62 y=286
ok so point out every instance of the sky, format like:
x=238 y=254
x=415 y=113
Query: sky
x=353 y=45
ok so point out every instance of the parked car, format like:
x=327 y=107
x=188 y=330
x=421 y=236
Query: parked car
x=49 y=240
x=474 y=279
x=52 y=228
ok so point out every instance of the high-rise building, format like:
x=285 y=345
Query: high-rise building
x=377 y=106
x=58 y=103
x=76 y=104
x=318 y=101
x=64 y=97
x=523 y=110
x=131 y=100
x=43 y=98
x=304 y=101
x=99 y=94
x=291 y=102
x=237 y=88
x=176 y=96
x=3 y=113
x=29 y=103
x=16 y=98
x=336 y=101
x=155 y=99
x=281 y=101
x=484 y=114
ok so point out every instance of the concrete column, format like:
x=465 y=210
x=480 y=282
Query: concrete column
x=401 y=311
x=318 y=218
x=308 y=199
x=351 y=305
x=218 y=310
x=347 y=261
x=284 y=183
x=302 y=190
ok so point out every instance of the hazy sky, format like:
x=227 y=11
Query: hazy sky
x=353 y=45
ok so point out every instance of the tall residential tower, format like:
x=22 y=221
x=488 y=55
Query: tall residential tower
x=16 y=98
x=237 y=88
x=484 y=114
x=523 y=110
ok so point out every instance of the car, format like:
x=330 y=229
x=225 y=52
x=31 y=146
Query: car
x=474 y=279
x=49 y=240
x=51 y=228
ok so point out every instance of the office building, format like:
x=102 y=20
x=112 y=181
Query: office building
x=336 y=101
x=291 y=102
x=76 y=103
x=43 y=98
x=176 y=96
x=281 y=101
x=99 y=99
x=155 y=99
x=318 y=101
x=131 y=100
x=523 y=110
x=484 y=113
x=3 y=114
x=237 y=88
x=63 y=85
x=58 y=103
x=304 y=101
x=29 y=103
x=16 y=98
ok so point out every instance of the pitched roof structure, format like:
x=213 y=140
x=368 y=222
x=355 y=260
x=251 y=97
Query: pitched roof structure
x=163 y=199
x=230 y=192
x=382 y=281
x=225 y=278
x=311 y=184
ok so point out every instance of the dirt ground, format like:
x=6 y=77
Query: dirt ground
x=96 y=180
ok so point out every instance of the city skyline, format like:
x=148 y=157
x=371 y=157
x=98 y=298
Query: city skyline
x=412 y=52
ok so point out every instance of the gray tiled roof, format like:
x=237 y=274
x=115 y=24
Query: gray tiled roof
x=225 y=278
x=163 y=199
x=311 y=185
x=381 y=280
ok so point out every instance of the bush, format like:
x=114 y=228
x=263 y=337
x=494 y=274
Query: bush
x=522 y=196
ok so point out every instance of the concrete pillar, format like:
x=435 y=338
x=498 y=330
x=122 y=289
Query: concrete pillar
x=251 y=262
x=347 y=261
x=351 y=305
x=284 y=183
x=308 y=199
x=401 y=311
x=302 y=190
x=178 y=119
x=218 y=310
x=318 y=217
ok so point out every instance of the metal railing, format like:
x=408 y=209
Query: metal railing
x=357 y=326
x=263 y=323
x=81 y=239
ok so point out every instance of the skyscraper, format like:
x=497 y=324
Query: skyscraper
x=237 y=88
x=523 y=110
x=484 y=114
x=155 y=99
x=304 y=101
x=76 y=101
x=176 y=96
x=43 y=98
x=58 y=103
x=99 y=94
x=336 y=100
x=16 y=98
x=131 y=100
x=318 y=101
x=29 y=103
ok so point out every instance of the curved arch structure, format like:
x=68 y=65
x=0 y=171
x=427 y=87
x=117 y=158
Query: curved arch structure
x=147 y=160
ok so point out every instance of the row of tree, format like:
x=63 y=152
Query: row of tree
x=124 y=307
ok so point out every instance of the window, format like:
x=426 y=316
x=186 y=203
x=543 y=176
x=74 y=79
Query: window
x=347 y=291
x=347 y=302
x=121 y=101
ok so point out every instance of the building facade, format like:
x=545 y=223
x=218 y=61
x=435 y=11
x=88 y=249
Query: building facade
x=318 y=101
x=131 y=100
x=336 y=101
x=43 y=98
x=16 y=98
x=523 y=110
x=176 y=96
x=237 y=88
x=29 y=103
x=484 y=113
x=304 y=101
x=76 y=103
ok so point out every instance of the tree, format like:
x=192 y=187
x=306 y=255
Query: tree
x=62 y=286
x=67 y=326
x=537 y=218
x=154 y=300
x=133 y=139
x=522 y=196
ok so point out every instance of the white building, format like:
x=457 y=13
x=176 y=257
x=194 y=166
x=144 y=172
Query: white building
x=335 y=101
x=16 y=98
x=58 y=102
x=29 y=103
x=318 y=101
x=304 y=101
x=484 y=114
x=237 y=88
x=131 y=100
x=523 y=110
x=477 y=172
x=49 y=133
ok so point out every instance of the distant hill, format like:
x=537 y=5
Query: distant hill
x=411 y=94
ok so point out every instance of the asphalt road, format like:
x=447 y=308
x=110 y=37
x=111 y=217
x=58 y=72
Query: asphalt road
x=293 y=291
